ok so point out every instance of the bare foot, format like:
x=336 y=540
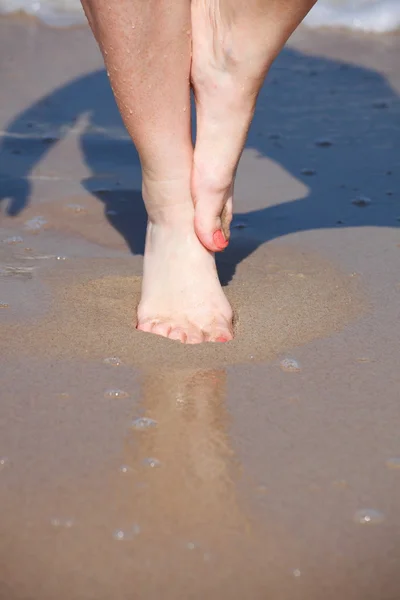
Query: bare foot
x=231 y=54
x=182 y=298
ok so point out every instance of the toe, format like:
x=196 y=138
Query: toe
x=177 y=333
x=162 y=329
x=221 y=333
x=145 y=326
x=194 y=336
x=213 y=213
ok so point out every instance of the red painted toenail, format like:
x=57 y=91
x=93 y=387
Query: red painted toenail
x=221 y=339
x=219 y=240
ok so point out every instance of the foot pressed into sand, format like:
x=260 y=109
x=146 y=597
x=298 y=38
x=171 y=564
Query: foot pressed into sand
x=182 y=298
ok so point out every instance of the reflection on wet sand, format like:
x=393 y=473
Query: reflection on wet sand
x=164 y=519
x=182 y=473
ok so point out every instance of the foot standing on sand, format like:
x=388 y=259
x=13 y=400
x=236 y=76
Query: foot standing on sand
x=154 y=52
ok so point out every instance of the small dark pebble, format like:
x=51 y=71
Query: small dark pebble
x=380 y=104
x=323 y=143
x=49 y=139
x=308 y=171
x=239 y=224
x=361 y=201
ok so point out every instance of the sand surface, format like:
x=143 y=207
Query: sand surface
x=133 y=467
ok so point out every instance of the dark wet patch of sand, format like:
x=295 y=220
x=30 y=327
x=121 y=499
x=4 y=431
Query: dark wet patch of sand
x=282 y=298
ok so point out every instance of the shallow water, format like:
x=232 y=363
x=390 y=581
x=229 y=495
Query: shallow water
x=363 y=15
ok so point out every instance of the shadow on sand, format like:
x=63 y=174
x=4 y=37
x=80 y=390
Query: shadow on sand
x=327 y=123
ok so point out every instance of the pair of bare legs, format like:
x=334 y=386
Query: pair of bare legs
x=154 y=51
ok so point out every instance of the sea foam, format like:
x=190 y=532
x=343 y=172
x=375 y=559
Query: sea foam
x=378 y=16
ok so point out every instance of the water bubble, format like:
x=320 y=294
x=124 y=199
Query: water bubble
x=152 y=462
x=4 y=305
x=4 y=462
x=125 y=535
x=76 y=208
x=393 y=463
x=114 y=361
x=323 y=142
x=125 y=469
x=309 y=172
x=369 y=516
x=143 y=423
x=115 y=394
x=361 y=201
x=35 y=224
x=61 y=522
x=296 y=572
x=290 y=365
x=61 y=258
x=14 y=239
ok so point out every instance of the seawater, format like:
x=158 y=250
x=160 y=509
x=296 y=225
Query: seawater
x=377 y=16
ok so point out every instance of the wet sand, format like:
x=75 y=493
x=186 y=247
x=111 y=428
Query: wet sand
x=133 y=467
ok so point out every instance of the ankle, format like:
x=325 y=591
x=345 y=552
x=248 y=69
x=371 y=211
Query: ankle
x=168 y=202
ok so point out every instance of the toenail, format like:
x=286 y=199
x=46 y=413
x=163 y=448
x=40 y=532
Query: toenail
x=219 y=239
x=221 y=339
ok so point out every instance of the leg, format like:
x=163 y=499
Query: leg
x=234 y=44
x=147 y=50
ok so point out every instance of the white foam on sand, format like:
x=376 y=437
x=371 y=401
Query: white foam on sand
x=377 y=16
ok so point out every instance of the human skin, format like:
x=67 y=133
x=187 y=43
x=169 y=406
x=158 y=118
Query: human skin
x=154 y=51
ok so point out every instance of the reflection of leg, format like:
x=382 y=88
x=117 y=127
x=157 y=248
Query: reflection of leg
x=146 y=47
x=194 y=484
x=234 y=44
x=189 y=505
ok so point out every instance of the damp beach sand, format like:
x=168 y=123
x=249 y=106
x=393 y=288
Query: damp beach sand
x=134 y=467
